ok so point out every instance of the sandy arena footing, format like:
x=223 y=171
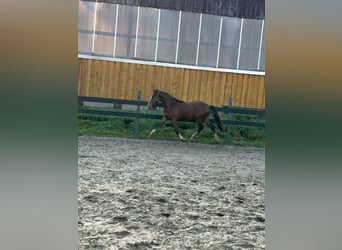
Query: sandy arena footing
x=153 y=194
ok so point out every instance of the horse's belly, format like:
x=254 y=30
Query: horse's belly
x=192 y=117
x=187 y=119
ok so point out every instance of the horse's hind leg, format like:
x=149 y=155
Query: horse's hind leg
x=200 y=128
x=211 y=126
x=175 y=125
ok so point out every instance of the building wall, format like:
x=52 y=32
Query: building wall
x=111 y=79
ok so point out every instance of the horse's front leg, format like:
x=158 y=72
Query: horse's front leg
x=162 y=121
x=175 y=125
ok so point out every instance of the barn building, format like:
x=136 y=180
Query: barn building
x=193 y=49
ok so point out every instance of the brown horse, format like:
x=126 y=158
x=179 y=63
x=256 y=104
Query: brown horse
x=176 y=110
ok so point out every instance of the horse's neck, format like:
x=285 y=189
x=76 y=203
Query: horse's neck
x=167 y=100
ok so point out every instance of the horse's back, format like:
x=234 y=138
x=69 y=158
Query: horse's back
x=193 y=110
x=200 y=105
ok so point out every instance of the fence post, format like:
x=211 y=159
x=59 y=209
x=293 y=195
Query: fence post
x=138 y=112
x=230 y=105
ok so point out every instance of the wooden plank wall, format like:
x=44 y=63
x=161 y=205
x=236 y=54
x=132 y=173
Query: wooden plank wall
x=120 y=80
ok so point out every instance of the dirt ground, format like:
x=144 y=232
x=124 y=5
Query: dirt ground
x=153 y=194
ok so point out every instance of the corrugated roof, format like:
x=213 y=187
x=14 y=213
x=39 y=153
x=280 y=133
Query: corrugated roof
x=252 y=9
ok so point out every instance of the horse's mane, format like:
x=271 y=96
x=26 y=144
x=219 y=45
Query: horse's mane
x=178 y=100
x=174 y=98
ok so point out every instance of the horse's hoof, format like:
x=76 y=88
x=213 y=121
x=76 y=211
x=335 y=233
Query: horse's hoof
x=217 y=139
x=151 y=133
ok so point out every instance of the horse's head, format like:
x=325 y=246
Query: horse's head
x=154 y=99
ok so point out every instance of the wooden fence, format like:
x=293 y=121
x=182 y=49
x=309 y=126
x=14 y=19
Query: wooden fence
x=229 y=109
x=121 y=80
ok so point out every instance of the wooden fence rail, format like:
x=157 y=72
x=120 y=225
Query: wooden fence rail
x=229 y=110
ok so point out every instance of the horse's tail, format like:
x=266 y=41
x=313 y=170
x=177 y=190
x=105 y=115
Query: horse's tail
x=217 y=118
